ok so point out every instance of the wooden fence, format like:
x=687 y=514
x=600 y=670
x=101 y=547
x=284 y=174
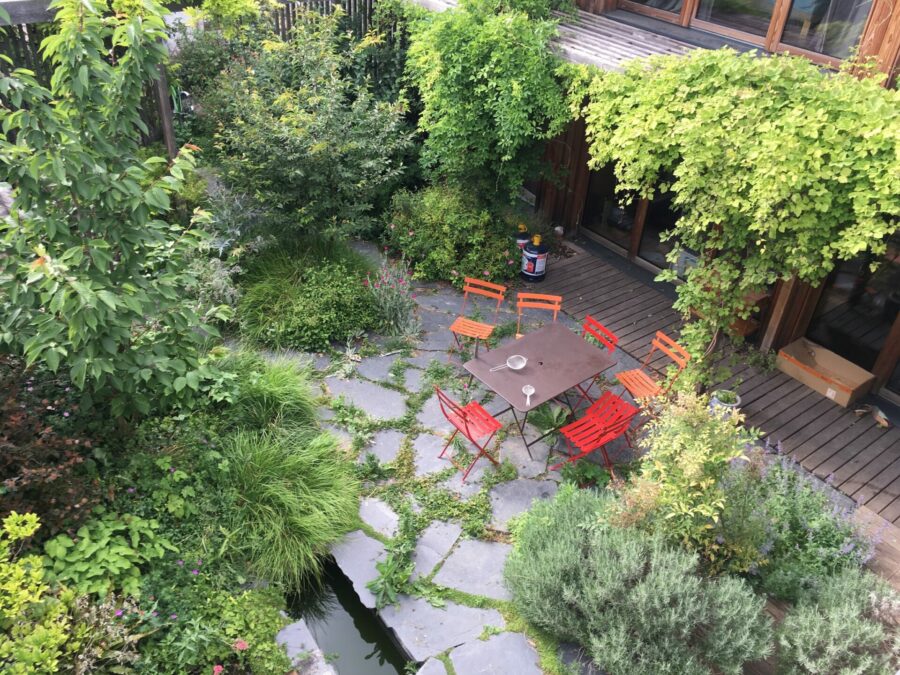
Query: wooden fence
x=358 y=14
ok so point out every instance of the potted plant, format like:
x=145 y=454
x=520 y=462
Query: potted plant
x=724 y=398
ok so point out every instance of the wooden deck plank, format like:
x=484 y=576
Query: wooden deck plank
x=819 y=431
x=860 y=471
x=829 y=453
x=847 y=456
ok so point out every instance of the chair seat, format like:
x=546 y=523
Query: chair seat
x=588 y=434
x=478 y=422
x=471 y=329
x=639 y=384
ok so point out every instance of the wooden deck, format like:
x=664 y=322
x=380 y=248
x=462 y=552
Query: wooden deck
x=596 y=40
x=857 y=456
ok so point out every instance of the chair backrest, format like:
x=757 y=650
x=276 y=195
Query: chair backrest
x=612 y=412
x=551 y=303
x=453 y=411
x=488 y=289
x=599 y=332
x=673 y=350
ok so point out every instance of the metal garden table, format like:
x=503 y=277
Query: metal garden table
x=558 y=360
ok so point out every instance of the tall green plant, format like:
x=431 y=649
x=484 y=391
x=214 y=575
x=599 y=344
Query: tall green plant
x=296 y=496
x=776 y=168
x=490 y=91
x=93 y=267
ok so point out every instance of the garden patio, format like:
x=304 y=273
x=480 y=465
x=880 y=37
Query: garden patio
x=277 y=398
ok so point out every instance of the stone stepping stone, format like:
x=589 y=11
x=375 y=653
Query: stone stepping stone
x=476 y=567
x=427 y=447
x=433 y=545
x=303 y=650
x=432 y=667
x=413 y=379
x=379 y=516
x=513 y=450
x=442 y=300
x=385 y=445
x=356 y=555
x=423 y=358
x=503 y=654
x=375 y=400
x=432 y=418
x=345 y=440
x=577 y=659
x=439 y=339
x=425 y=631
x=515 y=497
x=472 y=484
x=377 y=367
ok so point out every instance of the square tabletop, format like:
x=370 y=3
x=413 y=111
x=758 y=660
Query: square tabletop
x=558 y=359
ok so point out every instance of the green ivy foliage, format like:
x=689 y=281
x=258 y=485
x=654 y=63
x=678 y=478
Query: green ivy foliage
x=91 y=251
x=490 y=90
x=776 y=167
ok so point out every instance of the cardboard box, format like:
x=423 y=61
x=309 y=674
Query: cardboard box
x=829 y=374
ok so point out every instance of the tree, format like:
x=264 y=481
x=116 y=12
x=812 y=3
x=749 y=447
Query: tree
x=92 y=274
x=777 y=169
x=490 y=92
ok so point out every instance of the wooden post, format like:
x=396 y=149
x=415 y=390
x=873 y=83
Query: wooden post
x=165 y=113
x=887 y=359
x=779 y=311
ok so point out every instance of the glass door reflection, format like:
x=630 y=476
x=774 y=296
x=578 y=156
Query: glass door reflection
x=604 y=213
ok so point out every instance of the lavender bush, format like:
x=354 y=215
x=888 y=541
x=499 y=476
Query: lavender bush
x=785 y=531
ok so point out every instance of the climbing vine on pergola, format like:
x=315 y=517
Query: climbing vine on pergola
x=776 y=168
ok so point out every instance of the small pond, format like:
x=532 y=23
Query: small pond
x=350 y=634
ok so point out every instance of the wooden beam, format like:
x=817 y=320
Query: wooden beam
x=889 y=51
x=783 y=298
x=166 y=119
x=888 y=357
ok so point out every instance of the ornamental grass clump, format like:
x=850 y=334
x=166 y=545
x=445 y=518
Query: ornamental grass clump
x=638 y=604
x=296 y=495
x=272 y=393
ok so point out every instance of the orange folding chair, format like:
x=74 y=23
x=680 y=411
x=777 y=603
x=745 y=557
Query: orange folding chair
x=607 y=339
x=607 y=419
x=640 y=383
x=551 y=303
x=474 y=422
x=469 y=328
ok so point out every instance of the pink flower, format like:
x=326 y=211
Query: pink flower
x=240 y=645
x=366 y=283
x=410 y=233
x=195 y=572
x=486 y=273
x=510 y=262
x=392 y=226
x=217 y=670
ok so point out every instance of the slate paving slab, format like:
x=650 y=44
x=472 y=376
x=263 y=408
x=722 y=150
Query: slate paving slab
x=423 y=357
x=476 y=567
x=527 y=466
x=472 y=485
x=515 y=497
x=379 y=516
x=431 y=417
x=413 y=379
x=426 y=449
x=343 y=436
x=356 y=555
x=385 y=445
x=432 y=667
x=375 y=400
x=503 y=654
x=303 y=651
x=425 y=631
x=377 y=368
x=434 y=544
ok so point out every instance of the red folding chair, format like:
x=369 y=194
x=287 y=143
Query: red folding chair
x=607 y=419
x=607 y=339
x=641 y=384
x=551 y=303
x=469 y=328
x=474 y=422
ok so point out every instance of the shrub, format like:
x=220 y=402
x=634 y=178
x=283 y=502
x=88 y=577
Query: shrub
x=394 y=300
x=792 y=534
x=107 y=554
x=689 y=450
x=638 y=605
x=446 y=234
x=297 y=133
x=297 y=495
x=304 y=300
x=849 y=626
x=221 y=628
